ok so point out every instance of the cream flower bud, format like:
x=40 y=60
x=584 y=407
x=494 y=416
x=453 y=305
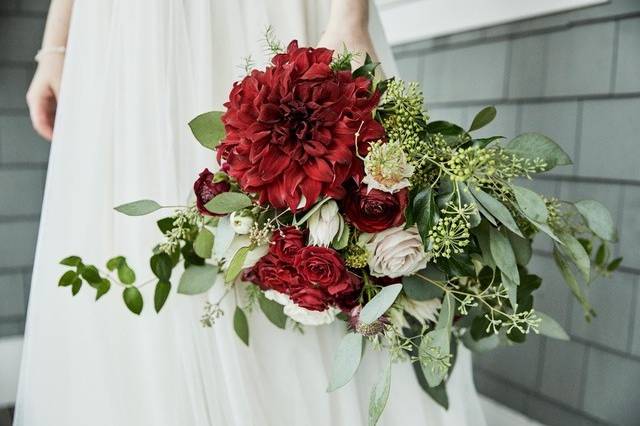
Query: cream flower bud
x=396 y=252
x=324 y=224
x=241 y=222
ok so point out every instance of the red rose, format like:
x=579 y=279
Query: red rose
x=272 y=274
x=375 y=210
x=286 y=243
x=205 y=189
x=290 y=130
x=323 y=267
x=314 y=299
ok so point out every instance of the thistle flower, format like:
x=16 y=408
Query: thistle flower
x=387 y=167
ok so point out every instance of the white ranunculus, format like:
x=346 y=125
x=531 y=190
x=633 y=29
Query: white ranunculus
x=299 y=314
x=308 y=317
x=241 y=223
x=324 y=224
x=396 y=252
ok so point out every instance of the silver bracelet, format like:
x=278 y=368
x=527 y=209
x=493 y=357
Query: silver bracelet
x=59 y=50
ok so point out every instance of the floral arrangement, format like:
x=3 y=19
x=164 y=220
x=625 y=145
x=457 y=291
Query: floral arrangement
x=337 y=199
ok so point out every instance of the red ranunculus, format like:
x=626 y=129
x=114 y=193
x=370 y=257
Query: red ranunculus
x=270 y=273
x=287 y=242
x=206 y=189
x=323 y=267
x=375 y=210
x=291 y=129
x=349 y=298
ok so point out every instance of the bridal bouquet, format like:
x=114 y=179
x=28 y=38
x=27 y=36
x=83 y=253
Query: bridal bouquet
x=337 y=199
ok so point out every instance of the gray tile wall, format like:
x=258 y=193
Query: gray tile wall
x=575 y=77
x=23 y=158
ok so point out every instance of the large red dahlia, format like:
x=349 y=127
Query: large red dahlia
x=290 y=130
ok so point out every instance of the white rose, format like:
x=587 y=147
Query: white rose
x=308 y=317
x=396 y=252
x=241 y=223
x=324 y=224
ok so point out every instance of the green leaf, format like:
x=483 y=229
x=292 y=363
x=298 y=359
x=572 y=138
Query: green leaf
x=90 y=274
x=161 y=293
x=133 y=299
x=484 y=117
x=311 y=211
x=71 y=261
x=572 y=283
x=417 y=288
x=273 y=311
x=114 y=263
x=197 y=279
x=447 y=309
x=380 y=395
x=550 y=327
x=532 y=204
x=367 y=69
x=76 y=285
x=521 y=248
x=497 y=210
x=346 y=361
x=161 y=266
x=241 y=325
x=341 y=239
x=102 y=288
x=434 y=345
x=126 y=274
x=208 y=129
x=465 y=197
x=138 y=208
x=576 y=252
x=535 y=145
x=505 y=259
x=482 y=234
x=235 y=266
x=598 y=219
x=615 y=264
x=425 y=213
x=602 y=254
x=485 y=344
x=380 y=303
x=203 y=244
x=228 y=202
x=67 y=278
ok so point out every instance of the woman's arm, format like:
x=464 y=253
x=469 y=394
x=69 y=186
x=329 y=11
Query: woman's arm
x=349 y=25
x=42 y=96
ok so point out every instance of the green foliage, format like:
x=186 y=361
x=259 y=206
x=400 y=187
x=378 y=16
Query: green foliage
x=235 y=266
x=380 y=395
x=424 y=213
x=484 y=117
x=208 y=129
x=138 y=208
x=161 y=266
x=197 y=279
x=380 y=303
x=161 y=293
x=133 y=299
x=203 y=244
x=126 y=275
x=417 y=288
x=346 y=361
x=497 y=210
x=532 y=204
x=228 y=202
x=550 y=327
x=273 y=311
x=533 y=146
x=241 y=325
x=598 y=219
x=505 y=260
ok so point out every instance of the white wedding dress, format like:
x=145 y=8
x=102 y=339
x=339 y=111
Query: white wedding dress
x=135 y=73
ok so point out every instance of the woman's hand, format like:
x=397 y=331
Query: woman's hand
x=42 y=96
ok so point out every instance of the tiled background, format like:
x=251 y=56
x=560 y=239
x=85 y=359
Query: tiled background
x=573 y=76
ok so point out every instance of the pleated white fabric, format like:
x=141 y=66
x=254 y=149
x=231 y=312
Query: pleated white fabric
x=136 y=72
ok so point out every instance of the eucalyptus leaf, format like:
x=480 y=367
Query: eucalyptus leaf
x=425 y=213
x=532 y=204
x=533 y=146
x=466 y=198
x=547 y=230
x=161 y=293
x=380 y=303
x=235 y=266
x=485 y=344
x=417 y=288
x=505 y=260
x=203 y=244
x=241 y=325
x=346 y=361
x=598 y=219
x=484 y=117
x=197 y=279
x=138 y=208
x=228 y=202
x=482 y=235
x=572 y=283
x=447 y=309
x=497 y=210
x=208 y=129
x=434 y=347
x=273 y=311
x=161 y=266
x=380 y=395
x=437 y=393
x=133 y=299
x=521 y=248
x=311 y=211
x=550 y=327
x=576 y=252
